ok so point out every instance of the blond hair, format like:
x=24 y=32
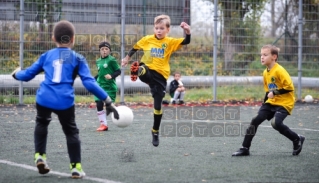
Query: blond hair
x=274 y=50
x=163 y=19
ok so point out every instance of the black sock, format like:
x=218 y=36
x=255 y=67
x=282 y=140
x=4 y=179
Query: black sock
x=157 y=121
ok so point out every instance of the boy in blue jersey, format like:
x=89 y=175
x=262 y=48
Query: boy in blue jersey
x=56 y=94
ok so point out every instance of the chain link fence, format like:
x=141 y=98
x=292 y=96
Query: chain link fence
x=242 y=28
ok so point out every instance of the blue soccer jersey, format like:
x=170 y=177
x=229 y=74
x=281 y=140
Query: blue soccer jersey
x=60 y=66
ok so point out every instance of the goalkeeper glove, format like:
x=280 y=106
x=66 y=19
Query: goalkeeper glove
x=13 y=74
x=110 y=107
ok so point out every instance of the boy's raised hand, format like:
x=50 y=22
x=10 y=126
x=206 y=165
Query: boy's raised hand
x=124 y=62
x=186 y=27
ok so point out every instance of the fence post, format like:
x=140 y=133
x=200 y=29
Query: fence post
x=122 y=48
x=299 y=49
x=215 y=50
x=21 y=48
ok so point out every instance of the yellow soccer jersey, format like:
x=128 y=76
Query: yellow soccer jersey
x=157 y=53
x=278 y=78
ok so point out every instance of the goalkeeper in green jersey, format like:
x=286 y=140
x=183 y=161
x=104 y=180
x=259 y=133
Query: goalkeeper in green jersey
x=108 y=70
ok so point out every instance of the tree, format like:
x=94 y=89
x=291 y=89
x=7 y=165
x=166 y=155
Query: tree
x=45 y=13
x=310 y=32
x=241 y=29
x=287 y=25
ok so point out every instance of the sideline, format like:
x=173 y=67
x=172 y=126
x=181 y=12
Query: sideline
x=305 y=129
x=28 y=167
x=266 y=126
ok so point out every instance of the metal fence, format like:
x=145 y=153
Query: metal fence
x=242 y=28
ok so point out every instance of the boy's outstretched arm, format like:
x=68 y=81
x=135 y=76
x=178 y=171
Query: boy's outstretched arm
x=187 y=40
x=30 y=72
x=128 y=57
x=187 y=30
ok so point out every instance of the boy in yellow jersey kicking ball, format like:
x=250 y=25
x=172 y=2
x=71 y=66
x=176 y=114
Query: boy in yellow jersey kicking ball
x=278 y=103
x=154 y=68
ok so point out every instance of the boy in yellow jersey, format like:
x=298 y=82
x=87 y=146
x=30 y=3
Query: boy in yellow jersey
x=154 y=68
x=278 y=103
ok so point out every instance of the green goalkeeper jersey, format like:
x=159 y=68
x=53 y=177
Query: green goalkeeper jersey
x=107 y=65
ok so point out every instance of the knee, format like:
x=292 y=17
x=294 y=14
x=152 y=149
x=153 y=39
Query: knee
x=43 y=120
x=257 y=120
x=278 y=125
x=42 y=124
x=273 y=123
x=277 y=122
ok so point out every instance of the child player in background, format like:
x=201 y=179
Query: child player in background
x=177 y=89
x=108 y=70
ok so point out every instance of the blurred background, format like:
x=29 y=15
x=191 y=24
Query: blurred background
x=243 y=26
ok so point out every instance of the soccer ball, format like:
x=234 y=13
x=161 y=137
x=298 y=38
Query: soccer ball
x=126 y=116
x=308 y=99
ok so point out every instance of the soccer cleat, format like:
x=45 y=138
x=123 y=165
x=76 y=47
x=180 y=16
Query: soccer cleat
x=102 y=128
x=173 y=102
x=40 y=162
x=244 y=151
x=181 y=102
x=298 y=145
x=76 y=171
x=165 y=102
x=134 y=70
x=155 y=140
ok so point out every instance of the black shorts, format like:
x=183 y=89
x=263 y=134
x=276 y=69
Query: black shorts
x=270 y=110
x=156 y=81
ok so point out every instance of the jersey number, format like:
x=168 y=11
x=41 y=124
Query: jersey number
x=57 y=66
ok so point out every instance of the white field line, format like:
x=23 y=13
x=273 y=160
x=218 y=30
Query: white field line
x=28 y=167
x=305 y=129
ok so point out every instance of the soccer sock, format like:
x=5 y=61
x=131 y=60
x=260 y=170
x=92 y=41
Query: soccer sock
x=102 y=117
x=182 y=95
x=157 y=120
x=176 y=94
x=154 y=131
x=141 y=71
x=37 y=154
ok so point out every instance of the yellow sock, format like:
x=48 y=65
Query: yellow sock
x=154 y=131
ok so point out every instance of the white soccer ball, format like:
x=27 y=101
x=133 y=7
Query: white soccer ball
x=308 y=99
x=126 y=116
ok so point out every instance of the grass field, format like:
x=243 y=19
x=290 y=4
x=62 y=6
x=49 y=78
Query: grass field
x=127 y=155
x=224 y=93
